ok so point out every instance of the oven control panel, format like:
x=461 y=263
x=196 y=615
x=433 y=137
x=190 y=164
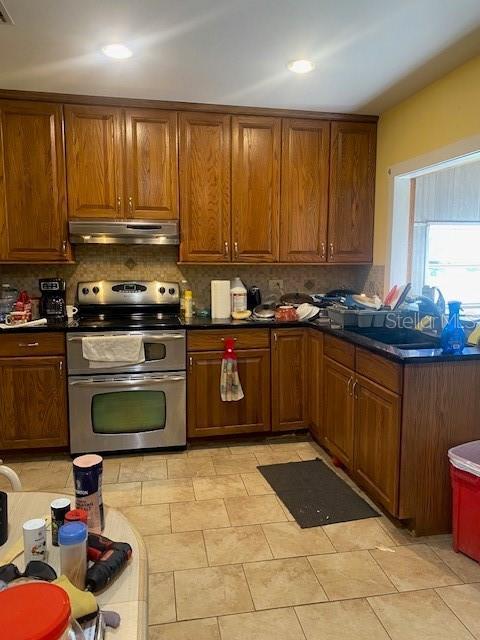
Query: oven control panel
x=144 y=292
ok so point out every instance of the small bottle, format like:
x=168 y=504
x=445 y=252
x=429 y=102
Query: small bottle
x=238 y=295
x=58 y=508
x=453 y=335
x=188 y=304
x=72 y=539
x=184 y=286
x=34 y=540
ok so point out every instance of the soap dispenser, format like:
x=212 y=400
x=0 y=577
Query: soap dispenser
x=453 y=335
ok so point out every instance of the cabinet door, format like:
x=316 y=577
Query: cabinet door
x=33 y=218
x=33 y=403
x=304 y=206
x=377 y=441
x=255 y=188
x=94 y=161
x=314 y=377
x=289 y=391
x=151 y=161
x=352 y=191
x=338 y=404
x=205 y=187
x=208 y=415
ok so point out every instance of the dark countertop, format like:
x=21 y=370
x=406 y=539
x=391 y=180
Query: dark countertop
x=405 y=356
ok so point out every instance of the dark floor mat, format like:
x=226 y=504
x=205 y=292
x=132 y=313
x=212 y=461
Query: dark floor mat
x=314 y=494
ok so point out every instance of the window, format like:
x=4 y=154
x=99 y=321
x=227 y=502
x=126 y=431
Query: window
x=452 y=261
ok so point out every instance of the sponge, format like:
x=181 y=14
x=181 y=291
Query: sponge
x=83 y=603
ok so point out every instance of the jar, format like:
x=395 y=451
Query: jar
x=286 y=313
x=72 y=540
x=8 y=297
x=37 y=611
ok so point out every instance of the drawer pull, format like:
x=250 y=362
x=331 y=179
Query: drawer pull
x=28 y=344
x=223 y=339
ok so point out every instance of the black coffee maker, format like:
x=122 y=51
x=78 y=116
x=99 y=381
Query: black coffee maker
x=53 y=304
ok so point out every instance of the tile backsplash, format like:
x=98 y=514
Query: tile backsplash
x=121 y=262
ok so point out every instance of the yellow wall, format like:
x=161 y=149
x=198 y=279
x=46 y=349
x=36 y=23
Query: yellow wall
x=444 y=112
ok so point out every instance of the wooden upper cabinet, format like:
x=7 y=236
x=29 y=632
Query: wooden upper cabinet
x=94 y=161
x=205 y=187
x=304 y=207
x=256 y=146
x=151 y=162
x=33 y=219
x=352 y=191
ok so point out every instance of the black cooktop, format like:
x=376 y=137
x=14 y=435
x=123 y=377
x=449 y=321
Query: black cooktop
x=133 y=321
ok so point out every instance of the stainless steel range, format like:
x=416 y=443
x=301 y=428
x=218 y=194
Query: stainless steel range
x=134 y=406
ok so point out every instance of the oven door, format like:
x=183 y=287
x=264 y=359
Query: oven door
x=164 y=351
x=126 y=412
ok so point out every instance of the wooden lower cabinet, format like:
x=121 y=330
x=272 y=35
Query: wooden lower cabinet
x=289 y=391
x=208 y=415
x=338 y=417
x=33 y=402
x=376 y=459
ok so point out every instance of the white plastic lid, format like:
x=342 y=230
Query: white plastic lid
x=466 y=457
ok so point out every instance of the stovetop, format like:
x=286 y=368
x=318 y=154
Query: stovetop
x=133 y=321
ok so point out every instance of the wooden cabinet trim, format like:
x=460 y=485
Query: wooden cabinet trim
x=340 y=350
x=385 y=372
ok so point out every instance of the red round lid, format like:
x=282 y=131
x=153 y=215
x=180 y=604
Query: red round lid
x=34 y=611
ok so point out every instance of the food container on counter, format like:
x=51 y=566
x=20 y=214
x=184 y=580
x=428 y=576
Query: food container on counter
x=37 y=611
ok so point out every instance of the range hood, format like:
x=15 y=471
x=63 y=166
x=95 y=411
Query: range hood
x=124 y=232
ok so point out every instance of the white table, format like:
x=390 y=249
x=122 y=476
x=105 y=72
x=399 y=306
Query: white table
x=127 y=594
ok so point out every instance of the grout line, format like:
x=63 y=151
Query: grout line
x=381 y=569
x=294 y=607
x=367 y=600
x=248 y=587
x=452 y=610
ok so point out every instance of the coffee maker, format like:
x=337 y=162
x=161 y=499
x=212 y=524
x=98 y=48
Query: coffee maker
x=53 y=304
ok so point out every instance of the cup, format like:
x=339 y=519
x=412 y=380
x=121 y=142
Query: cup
x=16 y=317
x=71 y=310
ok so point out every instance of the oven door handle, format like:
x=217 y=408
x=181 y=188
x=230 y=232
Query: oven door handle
x=158 y=338
x=124 y=383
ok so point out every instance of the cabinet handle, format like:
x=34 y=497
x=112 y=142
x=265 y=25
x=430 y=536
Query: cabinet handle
x=331 y=251
x=190 y=362
x=350 y=380
x=119 y=204
x=235 y=248
x=130 y=204
x=275 y=337
x=223 y=339
x=324 y=251
x=60 y=366
x=64 y=247
x=354 y=390
x=28 y=344
x=225 y=249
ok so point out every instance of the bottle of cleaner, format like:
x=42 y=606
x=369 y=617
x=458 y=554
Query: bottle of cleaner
x=238 y=295
x=453 y=335
x=184 y=286
x=188 y=304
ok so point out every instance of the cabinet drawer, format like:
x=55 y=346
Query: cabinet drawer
x=381 y=370
x=32 y=344
x=340 y=350
x=213 y=339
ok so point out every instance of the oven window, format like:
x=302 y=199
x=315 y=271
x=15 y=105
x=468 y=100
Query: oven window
x=128 y=412
x=155 y=351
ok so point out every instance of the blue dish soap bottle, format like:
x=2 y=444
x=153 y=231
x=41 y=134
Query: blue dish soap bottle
x=453 y=336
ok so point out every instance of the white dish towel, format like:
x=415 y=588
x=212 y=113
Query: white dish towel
x=104 y=352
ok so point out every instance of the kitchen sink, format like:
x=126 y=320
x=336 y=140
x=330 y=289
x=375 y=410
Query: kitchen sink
x=399 y=338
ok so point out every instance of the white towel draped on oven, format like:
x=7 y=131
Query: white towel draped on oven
x=104 y=352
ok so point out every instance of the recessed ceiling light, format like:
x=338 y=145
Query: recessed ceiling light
x=117 y=51
x=301 y=66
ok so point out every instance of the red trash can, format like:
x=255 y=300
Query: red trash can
x=465 y=474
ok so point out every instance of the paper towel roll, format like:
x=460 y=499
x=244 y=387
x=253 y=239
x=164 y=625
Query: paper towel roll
x=220 y=294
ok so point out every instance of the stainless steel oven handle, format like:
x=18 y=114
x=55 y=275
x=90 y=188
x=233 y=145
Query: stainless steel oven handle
x=125 y=383
x=158 y=338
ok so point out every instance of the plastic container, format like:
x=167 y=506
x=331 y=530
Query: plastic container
x=8 y=297
x=379 y=318
x=238 y=295
x=364 y=318
x=465 y=476
x=343 y=317
x=37 y=611
x=87 y=476
x=453 y=335
x=72 y=539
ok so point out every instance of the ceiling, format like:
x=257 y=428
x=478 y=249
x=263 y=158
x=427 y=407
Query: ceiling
x=369 y=54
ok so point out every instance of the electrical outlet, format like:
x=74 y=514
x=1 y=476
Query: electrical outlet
x=275 y=286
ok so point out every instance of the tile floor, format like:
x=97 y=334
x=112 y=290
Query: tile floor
x=227 y=561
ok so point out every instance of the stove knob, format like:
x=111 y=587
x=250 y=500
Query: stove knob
x=95 y=290
x=171 y=291
x=162 y=290
x=85 y=291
